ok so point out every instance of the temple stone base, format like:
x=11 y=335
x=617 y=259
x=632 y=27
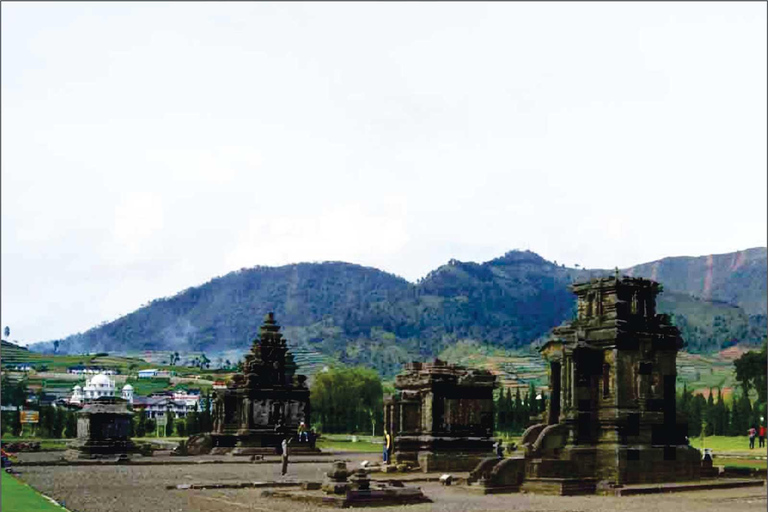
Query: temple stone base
x=433 y=462
x=560 y=486
x=658 y=464
x=391 y=496
x=259 y=443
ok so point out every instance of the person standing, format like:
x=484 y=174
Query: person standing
x=302 y=432
x=499 y=449
x=387 y=446
x=761 y=436
x=285 y=444
x=752 y=432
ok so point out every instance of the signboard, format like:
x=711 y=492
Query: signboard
x=29 y=416
x=162 y=420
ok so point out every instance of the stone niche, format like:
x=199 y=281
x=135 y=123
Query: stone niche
x=612 y=417
x=265 y=403
x=103 y=429
x=441 y=416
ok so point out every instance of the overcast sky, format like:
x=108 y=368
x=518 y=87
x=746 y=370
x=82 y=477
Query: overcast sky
x=149 y=147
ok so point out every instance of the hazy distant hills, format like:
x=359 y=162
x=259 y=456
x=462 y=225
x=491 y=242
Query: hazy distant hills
x=365 y=316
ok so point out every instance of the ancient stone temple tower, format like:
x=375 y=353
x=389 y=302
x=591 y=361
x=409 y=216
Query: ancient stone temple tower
x=266 y=402
x=441 y=416
x=612 y=413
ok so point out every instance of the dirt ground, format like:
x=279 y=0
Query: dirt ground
x=143 y=488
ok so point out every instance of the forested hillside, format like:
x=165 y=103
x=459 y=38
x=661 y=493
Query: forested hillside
x=365 y=316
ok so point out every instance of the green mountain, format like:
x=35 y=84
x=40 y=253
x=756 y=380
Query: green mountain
x=737 y=278
x=362 y=315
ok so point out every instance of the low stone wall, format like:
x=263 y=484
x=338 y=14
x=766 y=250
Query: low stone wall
x=432 y=462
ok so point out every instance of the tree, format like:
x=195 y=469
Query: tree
x=347 y=399
x=741 y=419
x=16 y=427
x=517 y=413
x=59 y=422
x=181 y=427
x=169 y=424
x=47 y=421
x=532 y=405
x=193 y=423
x=140 y=424
x=720 y=416
x=695 y=416
x=501 y=412
x=751 y=373
x=710 y=414
x=9 y=391
x=70 y=428
x=509 y=405
x=7 y=332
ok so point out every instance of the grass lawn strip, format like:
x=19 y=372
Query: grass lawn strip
x=20 y=497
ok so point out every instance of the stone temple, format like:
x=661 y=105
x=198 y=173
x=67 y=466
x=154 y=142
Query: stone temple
x=612 y=416
x=103 y=429
x=441 y=416
x=264 y=403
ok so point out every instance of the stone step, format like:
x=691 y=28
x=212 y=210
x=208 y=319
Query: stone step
x=560 y=486
x=731 y=483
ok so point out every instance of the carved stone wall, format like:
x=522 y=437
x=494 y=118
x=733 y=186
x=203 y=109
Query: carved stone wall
x=441 y=416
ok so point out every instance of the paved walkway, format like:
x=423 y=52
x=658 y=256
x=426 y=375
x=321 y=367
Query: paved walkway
x=143 y=488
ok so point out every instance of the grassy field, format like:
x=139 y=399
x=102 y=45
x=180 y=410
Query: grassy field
x=742 y=463
x=736 y=444
x=343 y=443
x=19 y=497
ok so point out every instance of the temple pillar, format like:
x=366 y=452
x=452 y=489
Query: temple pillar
x=554 y=402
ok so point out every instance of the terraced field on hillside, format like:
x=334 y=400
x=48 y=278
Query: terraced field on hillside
x=518 y=369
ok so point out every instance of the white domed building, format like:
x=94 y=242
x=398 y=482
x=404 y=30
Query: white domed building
x=96 y=387
x=128 y=393
x=77 y=395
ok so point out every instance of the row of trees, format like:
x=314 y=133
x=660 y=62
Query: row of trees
x=513 y=414
x=54 y=422
x=717 y=418
x=61 y=423
x=347 y=400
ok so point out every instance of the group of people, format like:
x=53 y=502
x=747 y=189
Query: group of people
x=303 y=435
x=760 y=433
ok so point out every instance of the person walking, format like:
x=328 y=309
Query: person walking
x=752 y=432
x=285 y=444
x=761 y=436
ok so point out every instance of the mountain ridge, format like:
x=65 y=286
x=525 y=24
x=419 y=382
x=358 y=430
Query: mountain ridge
x=363 y=315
